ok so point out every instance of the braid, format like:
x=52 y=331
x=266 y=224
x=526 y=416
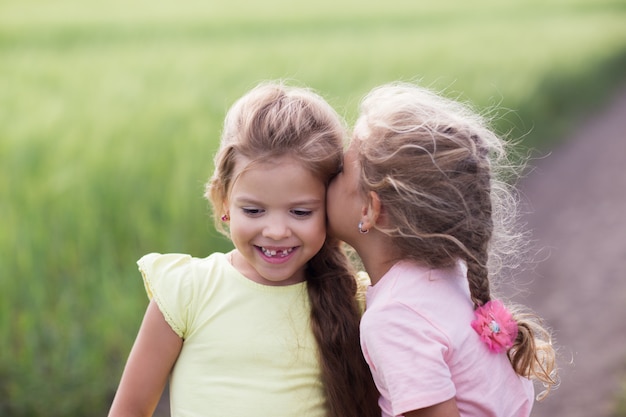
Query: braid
x=478 y=279
x=477 y=200
x=335 y=319
x=275 y=120
x=440 y=173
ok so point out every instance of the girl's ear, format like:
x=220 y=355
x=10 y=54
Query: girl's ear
x=372 y=211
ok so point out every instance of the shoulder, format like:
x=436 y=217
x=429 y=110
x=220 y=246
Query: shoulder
x=175 y=270
x=177 y=281
x=429 y=303
x=177 y=263
x=422 y=288
x=157 y=262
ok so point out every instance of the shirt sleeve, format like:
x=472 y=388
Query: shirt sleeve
x=168 y=281
x=408 y=353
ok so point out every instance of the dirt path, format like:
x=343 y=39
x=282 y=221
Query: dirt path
x=578 y=196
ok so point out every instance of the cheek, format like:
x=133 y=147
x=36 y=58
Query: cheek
x=339 y=196
x=317 y=231
x=240 y=227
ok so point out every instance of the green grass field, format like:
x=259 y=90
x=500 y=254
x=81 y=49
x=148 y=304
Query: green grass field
x=110 y=113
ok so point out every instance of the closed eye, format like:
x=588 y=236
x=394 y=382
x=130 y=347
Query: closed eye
x=302 y=212
x=252 y=211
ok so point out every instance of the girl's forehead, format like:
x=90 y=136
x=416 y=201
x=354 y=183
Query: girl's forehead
x=354 y=146
x=243 y=163
x=281 y=181
x=350 y=156
x=249 y=168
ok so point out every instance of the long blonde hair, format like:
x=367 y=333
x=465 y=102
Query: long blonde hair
x=274 y=120
x=438 y=171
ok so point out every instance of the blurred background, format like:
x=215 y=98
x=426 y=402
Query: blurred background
x=110 y=113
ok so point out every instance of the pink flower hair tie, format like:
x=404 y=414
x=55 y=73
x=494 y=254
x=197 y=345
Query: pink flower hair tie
x=495 y=325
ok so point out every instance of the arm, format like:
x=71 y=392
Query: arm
x=149 y=364
x=444 y=409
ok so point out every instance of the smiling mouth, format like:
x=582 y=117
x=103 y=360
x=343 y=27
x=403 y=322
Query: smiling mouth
x=273 y=253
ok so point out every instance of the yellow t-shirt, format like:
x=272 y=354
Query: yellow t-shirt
x=248 y=348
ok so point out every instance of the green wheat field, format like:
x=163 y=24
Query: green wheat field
x=110 y=113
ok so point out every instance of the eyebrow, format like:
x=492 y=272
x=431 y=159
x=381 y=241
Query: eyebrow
x=307 y=202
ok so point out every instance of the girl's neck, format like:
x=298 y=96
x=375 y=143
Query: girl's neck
x=377 y=254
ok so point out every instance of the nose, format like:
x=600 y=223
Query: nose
x=276 y=229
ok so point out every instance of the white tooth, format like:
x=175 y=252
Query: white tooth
x=271 y=253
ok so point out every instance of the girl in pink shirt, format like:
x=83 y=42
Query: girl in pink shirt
x=420 y=201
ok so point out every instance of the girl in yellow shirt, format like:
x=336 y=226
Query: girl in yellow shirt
x=270 y=328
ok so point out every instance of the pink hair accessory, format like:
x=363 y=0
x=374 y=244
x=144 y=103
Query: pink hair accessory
x=495 y=325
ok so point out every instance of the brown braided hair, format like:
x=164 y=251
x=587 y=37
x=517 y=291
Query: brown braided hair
x=436 y=167
x=271 y=121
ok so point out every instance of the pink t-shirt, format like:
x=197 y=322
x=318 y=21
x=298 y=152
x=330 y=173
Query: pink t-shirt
x=417 y=339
